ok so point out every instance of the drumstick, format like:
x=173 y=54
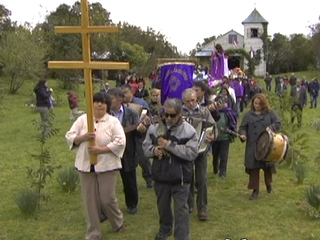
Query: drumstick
x=222 y=129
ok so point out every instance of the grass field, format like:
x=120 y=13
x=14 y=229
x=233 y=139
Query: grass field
x=279 y=216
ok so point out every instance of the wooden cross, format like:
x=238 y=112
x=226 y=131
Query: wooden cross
x=87 y=65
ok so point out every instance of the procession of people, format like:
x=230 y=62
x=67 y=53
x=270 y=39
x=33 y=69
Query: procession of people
x=171 y=139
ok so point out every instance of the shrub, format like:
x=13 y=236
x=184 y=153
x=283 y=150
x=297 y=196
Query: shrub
x=27 y=201
x=68 y=179
x=313 y=200
x=316 y=124
x=300 y=171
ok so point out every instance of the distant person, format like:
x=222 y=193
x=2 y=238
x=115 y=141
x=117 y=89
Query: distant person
x=104 y=87
x=73 y=105
x=299 y=95
x=281 y=88
x=268 y=80
x=314 y=93
x=292 y=80
x=141 y=92
x=43 y=100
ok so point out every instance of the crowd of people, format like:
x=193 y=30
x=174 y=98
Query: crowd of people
x=298 y=90
x=167 y=143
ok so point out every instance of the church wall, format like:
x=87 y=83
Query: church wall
x=255 y=43
x=224 y=41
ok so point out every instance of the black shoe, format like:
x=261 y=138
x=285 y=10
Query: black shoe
x=103 y=218
x=269 y=189
x=162 y=236
x=132 y=210
x=254 y=194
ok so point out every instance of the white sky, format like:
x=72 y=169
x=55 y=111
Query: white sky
x=185 y=23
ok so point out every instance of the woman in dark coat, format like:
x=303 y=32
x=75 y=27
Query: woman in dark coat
x=43 y=100
x=254 y=122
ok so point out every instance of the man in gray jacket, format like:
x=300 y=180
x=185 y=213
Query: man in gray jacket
x=200 y=118
x=173 y=145
x=299 y=95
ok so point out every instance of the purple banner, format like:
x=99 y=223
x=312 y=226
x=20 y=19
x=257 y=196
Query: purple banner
x=175 y=78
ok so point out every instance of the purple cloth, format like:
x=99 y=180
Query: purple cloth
x=238 y=89
x=232 y=118
x=175 y=78
x=217 y=66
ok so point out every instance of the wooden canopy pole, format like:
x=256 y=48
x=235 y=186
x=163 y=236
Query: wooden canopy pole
x=87 y=65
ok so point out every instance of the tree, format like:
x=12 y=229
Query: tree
x=144 y=46
x=315 y=43
x=301 y=52
x=21 y=55
x=5 y=21
x=127 y=52
x=62 y=46
x=279 y=54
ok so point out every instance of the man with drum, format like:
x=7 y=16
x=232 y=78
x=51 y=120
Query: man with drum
x=199 y=117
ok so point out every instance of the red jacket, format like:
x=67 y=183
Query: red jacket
x=73 y=102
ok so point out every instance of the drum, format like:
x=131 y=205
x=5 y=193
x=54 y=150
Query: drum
x=272 y=147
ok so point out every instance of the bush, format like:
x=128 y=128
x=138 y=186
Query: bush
x=300 y=171
x=313 y=200
x=27 y=201
x=316 y=124
x=68 y=179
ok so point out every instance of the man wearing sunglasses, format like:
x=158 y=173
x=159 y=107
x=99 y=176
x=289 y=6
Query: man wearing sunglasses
x=199 y=116
x=173 y=145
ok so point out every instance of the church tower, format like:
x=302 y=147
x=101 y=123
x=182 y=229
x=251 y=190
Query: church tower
x=255 y=36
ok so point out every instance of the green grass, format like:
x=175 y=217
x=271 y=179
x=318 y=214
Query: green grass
x=231 y=215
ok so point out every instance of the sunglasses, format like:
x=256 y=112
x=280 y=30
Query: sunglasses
x=171 y=115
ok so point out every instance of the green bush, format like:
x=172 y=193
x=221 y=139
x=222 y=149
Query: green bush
x=316 y=124
x=27 y=201
x=300 y=171
x=313 y=200
x=68 y=179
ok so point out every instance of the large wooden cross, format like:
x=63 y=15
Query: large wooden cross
x=87 y=65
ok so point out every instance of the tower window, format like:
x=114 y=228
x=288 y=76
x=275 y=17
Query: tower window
x=254 y=32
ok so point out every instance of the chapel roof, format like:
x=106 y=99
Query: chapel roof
x=255 y=17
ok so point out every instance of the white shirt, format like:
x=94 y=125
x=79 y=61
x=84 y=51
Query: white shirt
x=109 y=132
x=232 y=93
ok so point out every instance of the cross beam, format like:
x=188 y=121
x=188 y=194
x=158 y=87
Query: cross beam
x=87 y=65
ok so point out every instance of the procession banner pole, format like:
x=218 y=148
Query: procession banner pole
x=87 y=65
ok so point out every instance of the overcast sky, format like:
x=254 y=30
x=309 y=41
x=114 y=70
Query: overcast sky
x=185 y=24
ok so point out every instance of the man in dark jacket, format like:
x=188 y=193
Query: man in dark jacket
x=43 y=101
x=314 y=93
x=131 y=124
x=173 y=145
x=299 y=95
x=143 y=161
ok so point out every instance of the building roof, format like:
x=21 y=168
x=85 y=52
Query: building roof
x=255 y=17
x=230 y=32
x=203 y=53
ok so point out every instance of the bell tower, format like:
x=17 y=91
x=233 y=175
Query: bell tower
x=255 y=29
